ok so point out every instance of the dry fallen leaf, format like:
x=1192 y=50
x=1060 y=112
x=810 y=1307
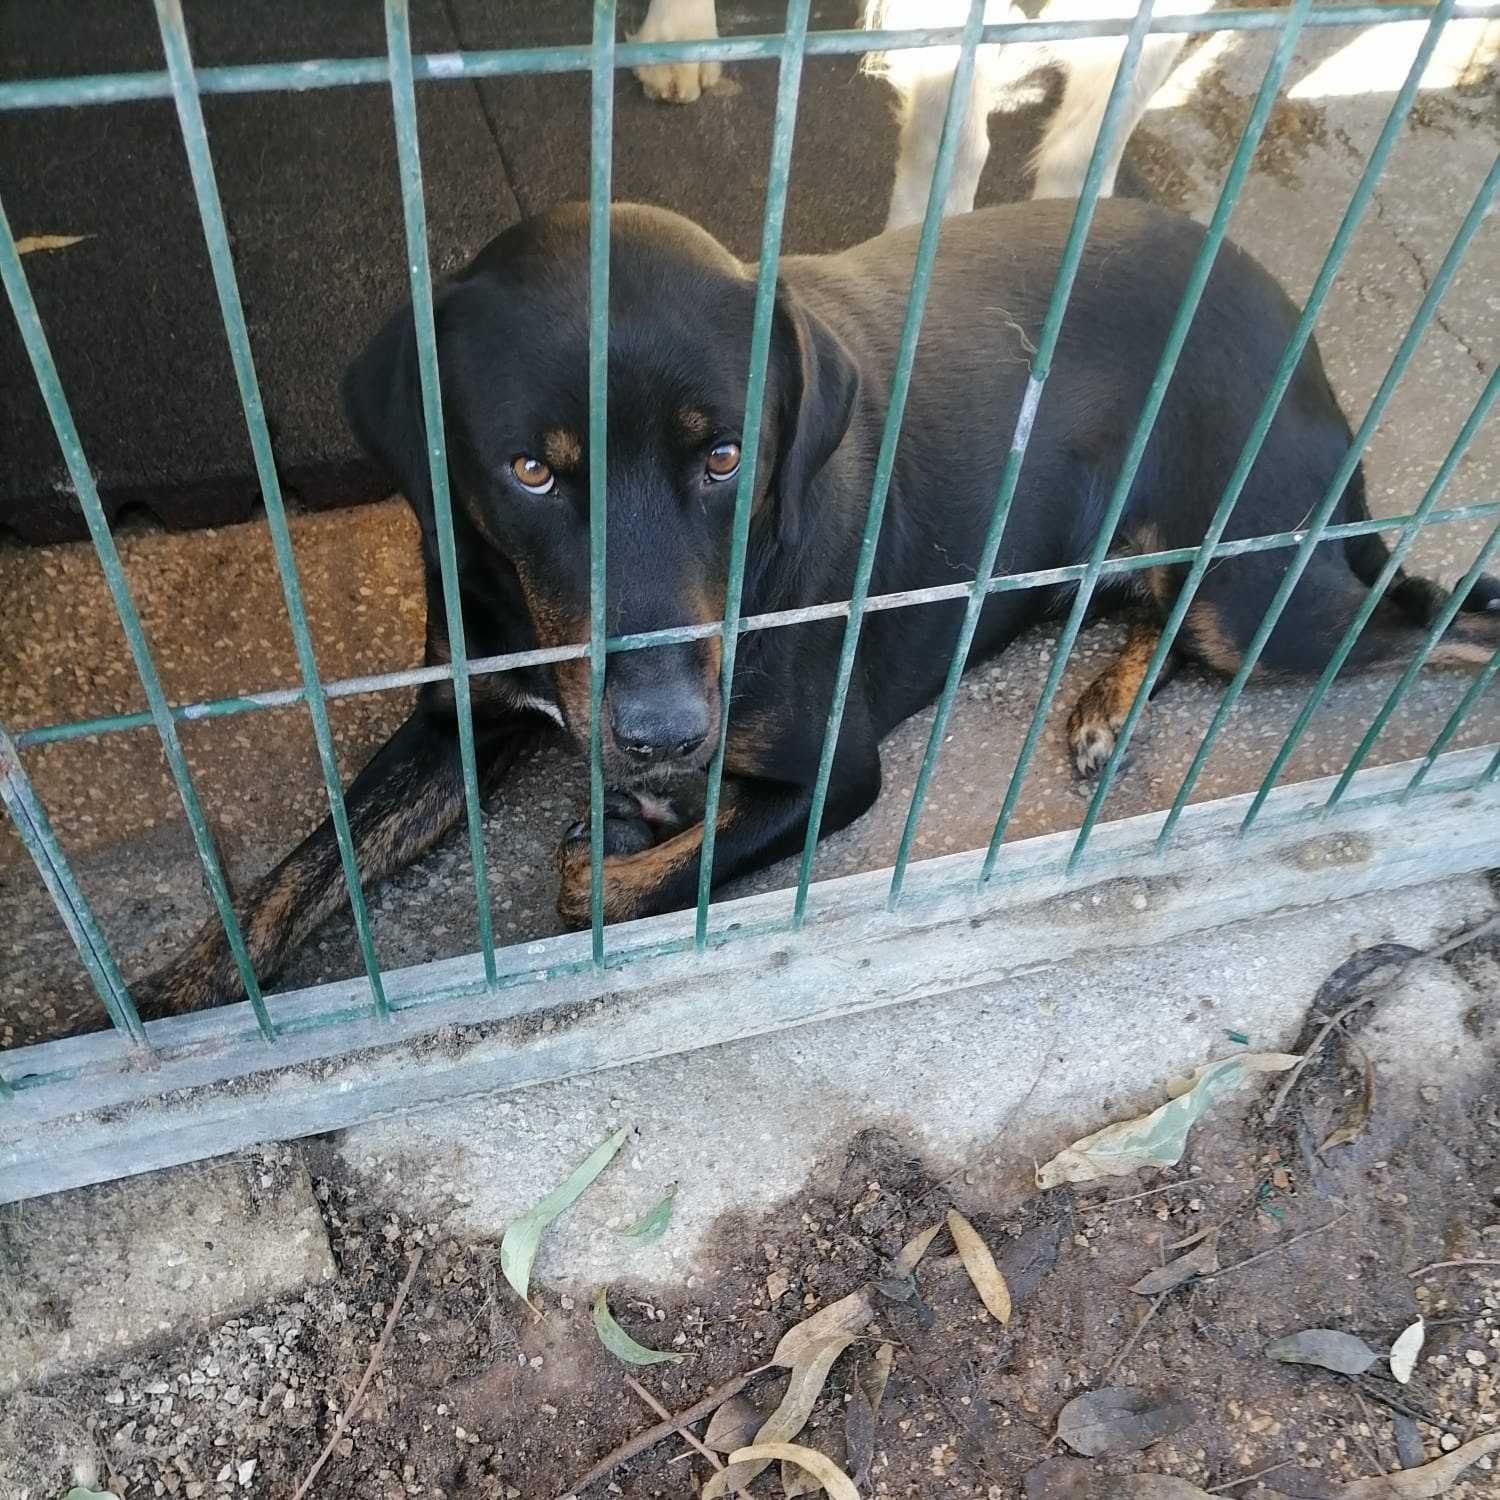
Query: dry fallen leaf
x=1405 y=1350
x=1328 y=1347
x=848 y=1315
x=732 y=1426
x=824 y=1470
x=1120 y=1419
x=914 y=1249
x=29 y=244
x=1354 y=1127
x=862 y=1414
x=1157 y=1139
x=1197 y=1262
x=790 y=1417
x=980 y=1265
x=1428 y=1481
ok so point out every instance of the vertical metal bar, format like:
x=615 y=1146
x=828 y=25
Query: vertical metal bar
x=1041 y=365
x=26 y=812
x=789 y=78
x=1187 y=308
x=216 y=235
x=601 y=167
x=959 y=103
x=34 y=336
x=419 y=268
x=1327 y=505
x=1291 y=357
x=1408 y=535
x=1441 y=622
x=1477 y=690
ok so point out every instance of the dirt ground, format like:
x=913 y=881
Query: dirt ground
x=478 y=1397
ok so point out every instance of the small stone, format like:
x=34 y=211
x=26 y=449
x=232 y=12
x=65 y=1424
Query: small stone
x=246 y=1472
x=1447 y=1442
x=1475 y=1358
x=116 y=1398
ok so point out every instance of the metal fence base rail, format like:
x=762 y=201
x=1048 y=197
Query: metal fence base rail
x=213 y=1087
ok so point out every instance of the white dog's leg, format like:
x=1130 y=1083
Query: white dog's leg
x=1061 y=161
x=678 y=21
x=922 y=78
x=923 y=105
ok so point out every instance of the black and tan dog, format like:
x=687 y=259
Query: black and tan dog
x=512 y=336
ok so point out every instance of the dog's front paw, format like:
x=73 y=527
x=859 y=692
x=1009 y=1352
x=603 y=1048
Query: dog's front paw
x=678 y=21
x=678 y=83
x=626 y=831
x=1092 y=735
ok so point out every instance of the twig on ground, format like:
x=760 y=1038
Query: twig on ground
x=1229 y=1484
x=1416 y=1413
x=1130 y=1343
x=376 y=1354
x=1306 y=1234
x=1166 y=1187
x=1443 y=1265
x=667 y=1416
x=1382 y=979
x=653 y=1435
x=1372 y=1450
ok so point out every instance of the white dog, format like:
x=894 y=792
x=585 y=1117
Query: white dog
x=921 y=77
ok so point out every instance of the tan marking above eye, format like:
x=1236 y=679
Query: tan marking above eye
x=723 y=461
x=562 y=449
x=532 y=474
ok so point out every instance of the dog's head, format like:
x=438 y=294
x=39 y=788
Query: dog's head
x=512 y=340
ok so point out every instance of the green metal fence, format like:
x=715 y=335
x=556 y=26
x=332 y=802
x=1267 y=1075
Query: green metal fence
x=1439 y=775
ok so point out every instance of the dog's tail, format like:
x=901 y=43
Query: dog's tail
x=1411 y=603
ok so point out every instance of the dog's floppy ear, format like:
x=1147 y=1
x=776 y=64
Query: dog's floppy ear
x=818 y=385
x=382 y=398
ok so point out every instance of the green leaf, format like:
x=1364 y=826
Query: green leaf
x=79 y=1492
x=654 y=1224
x=619 y=1343
x=519 y=1246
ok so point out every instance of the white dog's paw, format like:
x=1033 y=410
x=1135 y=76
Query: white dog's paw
x=678 y=21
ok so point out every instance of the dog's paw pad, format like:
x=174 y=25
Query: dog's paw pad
x=1092 y=745
x=678 y=83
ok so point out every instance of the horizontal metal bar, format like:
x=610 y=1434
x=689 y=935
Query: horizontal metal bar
x=479 y=666
x=344 y=72
x=213 y=1090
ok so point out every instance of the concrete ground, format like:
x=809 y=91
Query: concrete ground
x=214 y=614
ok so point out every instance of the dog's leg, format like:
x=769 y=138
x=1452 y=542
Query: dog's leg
x=924 y=101
x=758 y=822
x=399 y=806
x=1102 y=707
x=1061 y=161
x=678 y=21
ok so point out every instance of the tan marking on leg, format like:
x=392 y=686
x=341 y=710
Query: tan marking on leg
x=632 y=882
x=1095 y=721
x=1205 y=637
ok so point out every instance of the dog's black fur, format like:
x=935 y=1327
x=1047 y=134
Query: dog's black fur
x=512 y=336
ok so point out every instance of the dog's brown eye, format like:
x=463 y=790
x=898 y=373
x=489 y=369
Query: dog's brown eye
x=724 y=462
x=532 y=474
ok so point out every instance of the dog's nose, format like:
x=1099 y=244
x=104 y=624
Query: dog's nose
x=650 y=731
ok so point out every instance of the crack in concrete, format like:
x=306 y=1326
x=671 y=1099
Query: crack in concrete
x=1426 y=280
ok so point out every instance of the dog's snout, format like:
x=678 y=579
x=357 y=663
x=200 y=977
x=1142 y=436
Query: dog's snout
x=649 y=729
